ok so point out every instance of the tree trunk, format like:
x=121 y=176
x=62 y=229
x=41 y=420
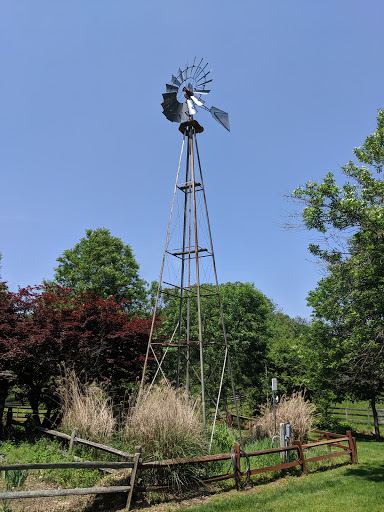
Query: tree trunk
x=375 y=419
x=6 y=381
x=34 y=403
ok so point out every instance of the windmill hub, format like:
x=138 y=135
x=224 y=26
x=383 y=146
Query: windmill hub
x=185 y=94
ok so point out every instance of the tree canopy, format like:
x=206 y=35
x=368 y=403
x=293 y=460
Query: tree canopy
x=42 y=327
x=103 y=264
x=348 y=303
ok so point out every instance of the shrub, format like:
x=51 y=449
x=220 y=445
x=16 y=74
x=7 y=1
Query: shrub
x=86 y=407
x=167 y=426
x=330 y=424
x=296 y=410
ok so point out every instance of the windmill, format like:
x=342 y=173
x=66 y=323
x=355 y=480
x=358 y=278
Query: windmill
x=192 y=352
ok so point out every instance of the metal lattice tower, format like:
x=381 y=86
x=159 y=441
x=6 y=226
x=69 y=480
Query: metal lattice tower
x=189 y=353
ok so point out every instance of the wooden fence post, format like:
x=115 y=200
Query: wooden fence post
x=72 y=440
x=237 y=455
x=352 y=447
x=301 y=457
x=134 y=475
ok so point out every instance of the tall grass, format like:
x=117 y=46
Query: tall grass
x=168 y=426
x=294 y=409
x=86 y=407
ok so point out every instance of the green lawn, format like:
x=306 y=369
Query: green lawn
x=344 y=488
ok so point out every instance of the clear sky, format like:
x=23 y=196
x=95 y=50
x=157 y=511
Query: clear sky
x=84 y=144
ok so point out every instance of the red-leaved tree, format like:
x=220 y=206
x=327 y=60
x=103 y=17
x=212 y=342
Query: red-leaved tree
x=44 y=326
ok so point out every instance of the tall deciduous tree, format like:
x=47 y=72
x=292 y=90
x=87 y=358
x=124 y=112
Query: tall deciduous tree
x=348 y=332
x=246 y=311
x=103 y=264
x=286 y=356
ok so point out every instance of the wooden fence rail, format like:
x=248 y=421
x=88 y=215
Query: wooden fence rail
x=137 y=465
x=333 y=440
x=78 y=491
x=353 y=414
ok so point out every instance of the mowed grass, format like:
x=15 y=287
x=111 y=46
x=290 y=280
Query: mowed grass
x=346 y=487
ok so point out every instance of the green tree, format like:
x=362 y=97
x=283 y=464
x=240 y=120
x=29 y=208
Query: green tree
x=246 y=311
x=348 y=330
x=103 y=264
x=286 y=352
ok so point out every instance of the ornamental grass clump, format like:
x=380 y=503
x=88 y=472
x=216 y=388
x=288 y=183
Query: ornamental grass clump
x=86 y=407
x=294 y=409
x=167 y=425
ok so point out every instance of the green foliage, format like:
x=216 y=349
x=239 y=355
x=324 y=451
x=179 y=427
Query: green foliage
x=42 y=451
x=102 y=264
x=14 y=478
x=287 y=353
x=246 y=311
x=347 y=336
x=223 y=439
x=331 y=424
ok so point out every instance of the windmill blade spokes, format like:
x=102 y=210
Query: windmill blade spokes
x=202 y=91
x=206 y=82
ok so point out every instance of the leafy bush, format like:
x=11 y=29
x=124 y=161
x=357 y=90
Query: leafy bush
x=294 y=409
x=223 y=439
x=86 y=407
x=331 y=424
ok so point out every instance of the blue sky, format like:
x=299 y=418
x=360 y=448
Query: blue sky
x=83 y=142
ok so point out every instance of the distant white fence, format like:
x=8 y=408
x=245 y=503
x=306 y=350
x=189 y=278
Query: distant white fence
x=355 y=415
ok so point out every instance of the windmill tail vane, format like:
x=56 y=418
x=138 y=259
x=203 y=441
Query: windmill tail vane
x=185 y=94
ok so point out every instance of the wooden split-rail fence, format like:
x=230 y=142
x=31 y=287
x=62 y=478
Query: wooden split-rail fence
x=136 y=464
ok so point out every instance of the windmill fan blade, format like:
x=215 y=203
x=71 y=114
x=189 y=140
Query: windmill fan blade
x=191 y=108
x=221 y=117
x=202 y=91
x=175 y=81
x=196 y=101
x=171 y=88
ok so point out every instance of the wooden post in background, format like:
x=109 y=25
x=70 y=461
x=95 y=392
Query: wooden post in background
x=238 y=456
x=72 y=440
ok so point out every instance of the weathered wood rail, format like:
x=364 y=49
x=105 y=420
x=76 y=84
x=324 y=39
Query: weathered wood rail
x=9 y=495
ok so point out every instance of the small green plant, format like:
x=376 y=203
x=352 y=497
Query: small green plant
x=14 y=478
x=4 y=507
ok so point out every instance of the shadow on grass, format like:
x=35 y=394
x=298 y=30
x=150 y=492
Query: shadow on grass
x=372 y=472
